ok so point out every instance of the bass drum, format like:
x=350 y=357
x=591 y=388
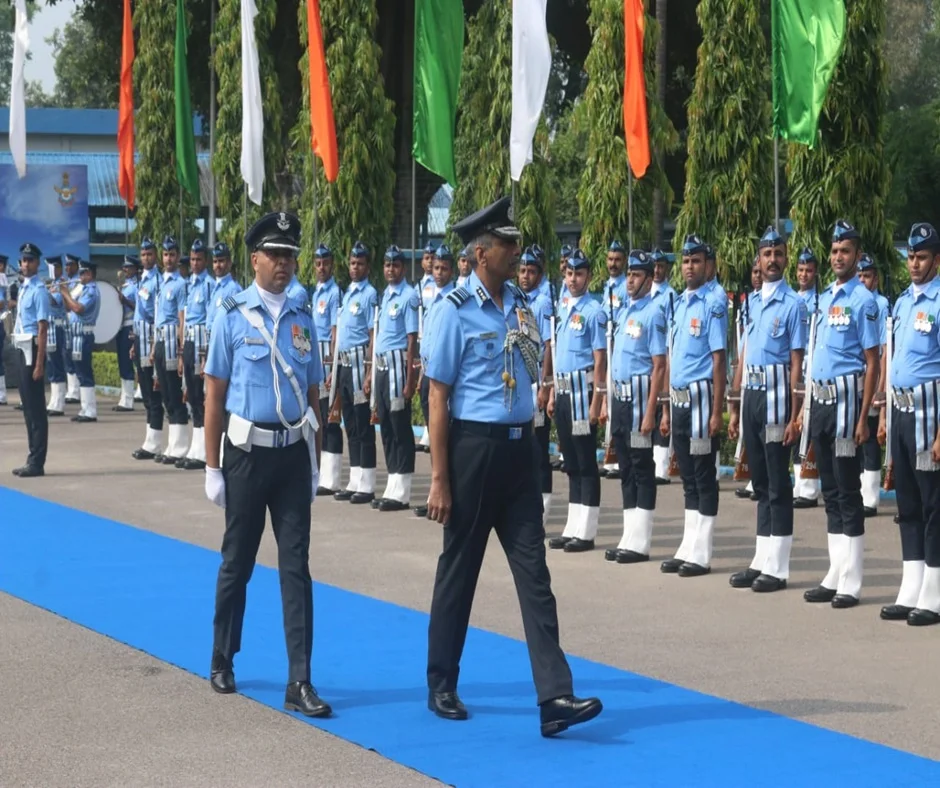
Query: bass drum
x=110 y=316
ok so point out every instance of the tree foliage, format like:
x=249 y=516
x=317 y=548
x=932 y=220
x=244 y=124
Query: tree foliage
x=729 y=172
x=603 y=196
x=846 y=174
x=483 y=122
x=86 y=72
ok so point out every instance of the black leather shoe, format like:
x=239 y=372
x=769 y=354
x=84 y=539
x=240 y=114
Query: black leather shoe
x=221 y=675
x=744 y=579
x=693 y=570
x=54 y=413
x=143 y=454
x=661 y=481
x=561 y=713
x=631 y=557
x=579 y=545
x=389 y=505
x=843 y=601
x=613 y=474
x=29 y=471
x=170 y=460
x=447 y=705
x=611 y=554
x=556 y=465
x=361 y=497
x=819 y=594
x=343 y=495
x=670 y=566
x=767 y=584
x=375 y=502
x=421 y=511
x=122 y=409
x=180 y=463
x=805 y=503
x=83 y=419
x=870 y=511
x=72 y=401
x=755 y=496
x=558 y=542
x=158 y=458
x=897 y=519
x=919 y=617
x=895 y=612
x=194 y=465
x=323 y=492
x=302 y=696
x=742 y=492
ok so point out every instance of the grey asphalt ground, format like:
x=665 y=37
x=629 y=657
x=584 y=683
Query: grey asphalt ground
x=71 y=699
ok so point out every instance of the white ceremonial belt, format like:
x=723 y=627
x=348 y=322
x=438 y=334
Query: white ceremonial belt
x=681 y=398
x=903 y=399
x=162 y=332
x=623 y=390
x=86 y=329
x=243 y=433
x=128 y=322
x=59 y=322
x=193 y=330
x=563 y=380
x=347 y=358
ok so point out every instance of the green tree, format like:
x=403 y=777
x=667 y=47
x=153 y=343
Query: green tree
x=482 y=145
x=603 y=196
x=729 y=172
x=846 y=174
x=85 y=69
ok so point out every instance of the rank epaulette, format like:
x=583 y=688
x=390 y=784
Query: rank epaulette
x=229 y=304
x=459 y=296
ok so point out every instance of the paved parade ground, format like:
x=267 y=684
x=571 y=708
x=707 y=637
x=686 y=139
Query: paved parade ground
x=107 y=574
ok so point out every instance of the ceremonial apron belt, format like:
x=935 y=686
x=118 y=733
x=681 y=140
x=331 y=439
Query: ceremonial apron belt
x=355 y=359
x=394 y=362
x=167 y=335
x=144 y=333
x=698 y=398
x=924 y=402
x=637 y=391
x=845 y=392
x=578 y=386
x=775 y=380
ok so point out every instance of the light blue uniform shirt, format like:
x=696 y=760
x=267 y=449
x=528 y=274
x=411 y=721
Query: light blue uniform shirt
x=32 y=307
x=847 y=326
x=197 y=299
x=219 y=290
x=129 y=291
x=468 y=355
x=808 y=297
x=699 y=329
x=666 y=297
x=427 y=290
x=916 y=357
x=326 y=300
x=171 y=300
x=775 y=327
x=582 y=330
x=239 y=354
x=90 y=299
x=147 y=290
x=641 y=334
x=398 y=317
x=716 y=292
x=544 y=288
x=883 y=308
x=429 y=320
x=355 y=316
x=296 y=292
x=619 y=288
x=57 y=303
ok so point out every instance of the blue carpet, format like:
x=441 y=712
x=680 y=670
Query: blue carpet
x=156 y=594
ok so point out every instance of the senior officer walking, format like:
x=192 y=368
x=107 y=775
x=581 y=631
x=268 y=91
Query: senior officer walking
x=638 y=374
x=697 y=369
x=144 y=314
x=484 y=359
x=262 y=377
x=83 y=306
x=29 y=338
x=915 y=431
x=844 y=376
x=775 y=335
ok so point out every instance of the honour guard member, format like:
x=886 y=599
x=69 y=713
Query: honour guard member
x=844 y=376
x=327 y=298
x=29 y=338
x=743 y=312
x=4 y=307
x=128 y=296
x=769 y=369
x=74 y=283
x=484 y=361
x=697 y=369
x=56 y=346
x=262 y=378
x=167 y=361
x=83 y=305
x=144 y=317
x=615 y=296
x=871 y=451
x=354 y=345
x=580 y=372
x=638 y=374
x=531 y=279
x=664 y=294
x=195 y=348
x=427 y=290
x=221 y=285
x=805 y=491
x=394 y=357
x=914 y=394
x=463 y=267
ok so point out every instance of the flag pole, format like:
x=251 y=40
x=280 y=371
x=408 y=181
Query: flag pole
x=245 y=231
x=316 y=218
x=630 y=202
x=776 y=183
x=181 y=215
x=414 y=175
x=127 y=227
x=212 y=193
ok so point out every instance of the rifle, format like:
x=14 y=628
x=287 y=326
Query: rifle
x=741 y=470
x=374 y=418
x=610 y=454
x=336 y=404
x=673 y=470
x=808 y=395
x=889 y=395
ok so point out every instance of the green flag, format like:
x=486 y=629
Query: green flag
x=438 y=51
x=807 y=39
x=186 y=169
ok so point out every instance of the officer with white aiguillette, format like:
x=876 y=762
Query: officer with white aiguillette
x=262 y=378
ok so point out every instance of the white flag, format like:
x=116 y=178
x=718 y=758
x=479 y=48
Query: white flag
x=252 y=163
x=531 y=65
x=18 y=90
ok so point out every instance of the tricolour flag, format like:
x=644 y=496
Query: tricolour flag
x=252 y=161
x=322 y=124
x=635 y=121
x=126 y=111
x=531 y=66
x=17 y=131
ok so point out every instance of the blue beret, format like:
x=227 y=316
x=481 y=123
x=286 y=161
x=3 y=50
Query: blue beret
x=807 y=256
x=865 y=263
x=693 y=245
x=529 y=257
x=578 y=260
x=923 y=236
x=277 y=231
x=221 y=250
x=71 y=258
x=359 y=249
x=323 y=252
x=465 y=252
x=659 y=256
x=87 y=265
x=640 y=261
x=393 y=254
x=30 y=250
x=130 y=261
x=443 y=253
x=496 y=219
x=539 y=252
x=184 y=260
x=616 y=246
x=430 y=248
x=566 y=251
x=169 y=244
x=54 y=260
x=147 y=243
x=197 y=246
x=770 y=239
x=709 y=252
x=843 y=231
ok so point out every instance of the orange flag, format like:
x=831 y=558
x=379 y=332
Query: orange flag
x=322 y=126
x=635 y=124
x=126 y=112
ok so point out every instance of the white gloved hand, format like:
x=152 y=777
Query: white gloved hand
x=215 y=486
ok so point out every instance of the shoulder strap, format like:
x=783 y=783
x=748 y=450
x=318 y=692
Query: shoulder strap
x=459 y=296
